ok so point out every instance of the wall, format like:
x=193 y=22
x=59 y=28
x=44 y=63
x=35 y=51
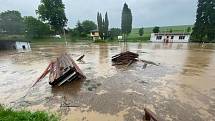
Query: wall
x=175 y=39
x=23 y=46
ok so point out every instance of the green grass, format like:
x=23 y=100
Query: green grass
x=134 y=35
x=7 y=114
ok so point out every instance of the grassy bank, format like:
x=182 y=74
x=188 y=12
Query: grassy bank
x=7 y=114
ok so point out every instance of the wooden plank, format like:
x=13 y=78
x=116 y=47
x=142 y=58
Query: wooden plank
x=76 y=66
x=66 y=79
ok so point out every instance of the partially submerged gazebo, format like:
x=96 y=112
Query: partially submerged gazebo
x=14 y=45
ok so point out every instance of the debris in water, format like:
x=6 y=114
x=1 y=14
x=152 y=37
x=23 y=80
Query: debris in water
x=125 y=58
x=149 y=62
x=145 y=65
x=80 y=59
x=63 y=70
x=149 y=115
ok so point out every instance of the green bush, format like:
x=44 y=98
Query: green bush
x=8 y=114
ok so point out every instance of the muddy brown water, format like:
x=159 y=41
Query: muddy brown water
x=181 y=88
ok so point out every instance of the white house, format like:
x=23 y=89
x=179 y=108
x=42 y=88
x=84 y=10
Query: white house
x=170 y=37
x=95 y=34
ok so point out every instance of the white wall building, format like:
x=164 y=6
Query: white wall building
x=23 y=45
x=170 y=37
x=15 y=45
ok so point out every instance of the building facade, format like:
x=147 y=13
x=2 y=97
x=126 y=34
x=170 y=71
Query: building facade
x=94 y=34
x=170 y=37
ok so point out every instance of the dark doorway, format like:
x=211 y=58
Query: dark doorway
x=23 y=47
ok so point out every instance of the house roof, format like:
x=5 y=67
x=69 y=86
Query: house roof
x=172 y=34
x=95 y=30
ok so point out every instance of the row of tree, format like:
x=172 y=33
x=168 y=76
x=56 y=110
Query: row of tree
x=52 y=19
x=11 y=22
x=103 y=25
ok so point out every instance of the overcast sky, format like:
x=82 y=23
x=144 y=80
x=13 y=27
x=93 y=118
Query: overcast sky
x=146 y=13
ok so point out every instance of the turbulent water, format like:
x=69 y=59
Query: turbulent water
x=181 y=88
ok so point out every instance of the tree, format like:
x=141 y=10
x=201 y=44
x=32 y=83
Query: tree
x=35 y=28
x=170 y=30
x=141 y=31
x=79 y=29
x=103 y=25
x=126 y=22
x=11 y=22
x=188 y=29
x=82 y=29
x=106 y=25
x=100 y=25
x=156 y=29
x=204 y=27
x=52 y=11
x=114 y=32
x=88 y=25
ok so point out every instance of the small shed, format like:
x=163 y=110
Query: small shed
x=14 y=45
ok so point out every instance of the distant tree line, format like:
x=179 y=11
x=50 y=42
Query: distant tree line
x=11 y=22
x=52 y=20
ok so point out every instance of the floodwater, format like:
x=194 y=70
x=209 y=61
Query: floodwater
x=181 y=88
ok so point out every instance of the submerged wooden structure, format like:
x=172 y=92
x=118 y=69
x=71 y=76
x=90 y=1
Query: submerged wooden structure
x=125 y=58
x=63 y=70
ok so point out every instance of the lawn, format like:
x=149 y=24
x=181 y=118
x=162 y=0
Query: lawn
x=7 y=114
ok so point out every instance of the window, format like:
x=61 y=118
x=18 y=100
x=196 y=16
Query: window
x=159 y=37
x=181 y=37
x=172 y=37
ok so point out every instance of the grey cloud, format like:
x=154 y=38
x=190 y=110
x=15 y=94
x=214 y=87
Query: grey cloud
x=145 y=12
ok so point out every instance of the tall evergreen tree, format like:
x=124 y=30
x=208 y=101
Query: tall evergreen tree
x=204 y=28
x=103 y=25
x=100 y=25
x=126 y=22
x=106 y=25
x=52 y=11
